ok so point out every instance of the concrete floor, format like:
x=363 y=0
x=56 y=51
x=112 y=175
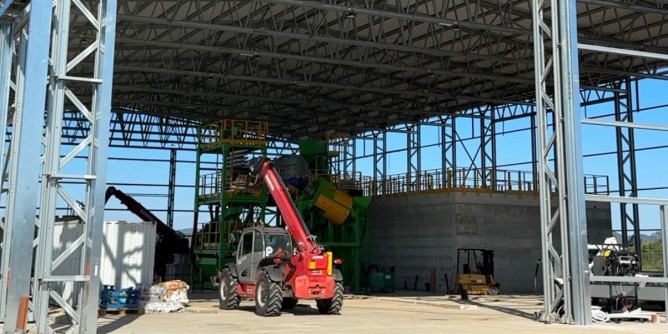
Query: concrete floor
x=388 y=314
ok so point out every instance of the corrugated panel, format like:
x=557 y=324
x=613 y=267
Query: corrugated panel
x=128 y=253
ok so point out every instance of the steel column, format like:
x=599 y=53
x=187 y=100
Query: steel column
x=448 y=151
x=664 y=243
x=22 y=200
x=6 y=50
x=626 y=164
x=56 y=187
x=379 y=163
x=171 y=190
x=413 y=156
x=565 y=270
x=487 y=140
x=534 y=158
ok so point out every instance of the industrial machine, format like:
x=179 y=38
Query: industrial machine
x=329 y=200
x=614 y=259
x=169 y=241
x=273 y=272
x=223 y=188
x=333 y=206
x=475 y=273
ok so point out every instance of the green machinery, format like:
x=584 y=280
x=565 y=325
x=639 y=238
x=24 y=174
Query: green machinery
x=334 y=210
x=224 y=190
x=331 y=205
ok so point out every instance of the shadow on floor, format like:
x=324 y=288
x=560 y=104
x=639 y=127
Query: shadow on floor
x=117 y=323
x=299 y=310
x=506 y=310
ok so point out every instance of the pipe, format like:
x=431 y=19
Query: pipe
x=22 y=318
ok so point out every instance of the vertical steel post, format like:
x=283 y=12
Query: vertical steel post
x=565 y=272
x=55 y=188
x=487 y=151
x=171 y=189
x=664 y=243
x=413 y=164
x=6 y=50
x=534 y=159
x=32 y=72
x=379 y=162
x=572 y=156
x=626 y=164
x=97 y=161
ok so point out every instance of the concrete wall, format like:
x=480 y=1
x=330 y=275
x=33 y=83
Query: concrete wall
x=417 y=232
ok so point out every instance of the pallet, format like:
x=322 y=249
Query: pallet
x=119 y=311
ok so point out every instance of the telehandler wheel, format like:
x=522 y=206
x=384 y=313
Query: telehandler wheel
x=289 y=303
x=268 y=296
x=334 y=305
x=228 y=298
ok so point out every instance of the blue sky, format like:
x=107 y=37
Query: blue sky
x=511 y=148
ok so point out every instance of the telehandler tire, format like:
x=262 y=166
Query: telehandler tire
x=268 y=296
x=333 y=305
x=228 y=298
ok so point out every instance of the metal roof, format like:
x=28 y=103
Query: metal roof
x=311 y=66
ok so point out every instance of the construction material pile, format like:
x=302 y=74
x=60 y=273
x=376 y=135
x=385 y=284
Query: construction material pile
x=167 y=297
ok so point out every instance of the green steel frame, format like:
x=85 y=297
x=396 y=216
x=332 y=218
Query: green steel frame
x=213 y=244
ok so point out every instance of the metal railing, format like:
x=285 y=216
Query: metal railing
x=232 y=131
x=463 y=179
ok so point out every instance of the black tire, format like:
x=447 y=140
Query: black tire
x=268 y=296
x=463 y=293
x=333 y=305
x=228 y=298
x=289 y=303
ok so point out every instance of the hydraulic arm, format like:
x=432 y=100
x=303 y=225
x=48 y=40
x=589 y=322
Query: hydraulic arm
x=169 y=241
x=264 y=168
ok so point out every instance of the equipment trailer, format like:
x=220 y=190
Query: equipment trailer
x=273 y=271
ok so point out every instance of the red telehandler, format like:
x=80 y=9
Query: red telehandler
x=272 y=270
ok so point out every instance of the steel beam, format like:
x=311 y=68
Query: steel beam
x=317 y=38
x=22 y=199
x=309 y=83
x=630 y=200
x=4 y=5
x=385 y=13
x=625 y=124
x=625 y=52
x=324 y=60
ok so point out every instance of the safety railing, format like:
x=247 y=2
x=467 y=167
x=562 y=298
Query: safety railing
x=232 y=131
x=210 y=184
x=597 y=184
x=208 y=236
x=477 y=180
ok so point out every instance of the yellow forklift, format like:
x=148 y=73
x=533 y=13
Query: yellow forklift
x=475 y=272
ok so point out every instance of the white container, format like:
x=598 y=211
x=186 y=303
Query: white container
x=128 y=254
x=127 y=257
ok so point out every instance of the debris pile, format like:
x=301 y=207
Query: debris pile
x=167 y=297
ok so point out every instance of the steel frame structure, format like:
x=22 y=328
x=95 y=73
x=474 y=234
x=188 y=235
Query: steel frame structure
x=79 y=79
x=366 y=68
